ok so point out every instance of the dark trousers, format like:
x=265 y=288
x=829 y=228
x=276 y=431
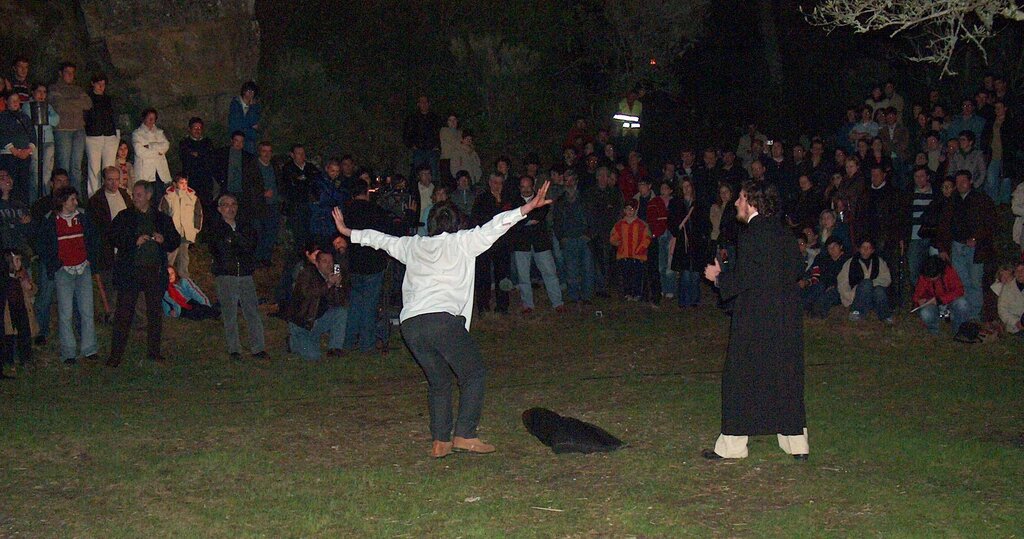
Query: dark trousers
x=632 y=276
x=148 y=281
x=361 y=328
x=652 y=276
x=497 y=260
x=447 y=353
x=604 y=255
x=18 y=345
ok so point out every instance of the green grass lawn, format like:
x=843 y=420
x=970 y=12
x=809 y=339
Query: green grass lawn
x=910 y=436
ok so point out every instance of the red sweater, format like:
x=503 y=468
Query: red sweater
x=945 y=289
x=631 y=239
x=657 y=216
x=628 y=181
x=70 y=240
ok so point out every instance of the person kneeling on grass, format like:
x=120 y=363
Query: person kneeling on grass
x=437 y=309
x=864 y=282
x=938 y=289
x=318 y=306
x=184 y=299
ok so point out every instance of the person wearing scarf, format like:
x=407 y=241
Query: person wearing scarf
x=863 y=284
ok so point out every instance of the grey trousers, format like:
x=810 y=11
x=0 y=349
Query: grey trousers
x=233 y=291
x=447 y=353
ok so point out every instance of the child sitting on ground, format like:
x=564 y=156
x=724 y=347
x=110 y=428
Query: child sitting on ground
x=184 y=299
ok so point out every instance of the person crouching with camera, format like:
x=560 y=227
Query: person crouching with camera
x=319 y=305
x=233 y=246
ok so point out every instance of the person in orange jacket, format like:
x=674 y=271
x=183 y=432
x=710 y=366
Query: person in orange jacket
x=631 y=237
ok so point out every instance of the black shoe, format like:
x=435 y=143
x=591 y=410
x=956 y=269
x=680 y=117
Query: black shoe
x=70 y=361
x=802 y=457
x=111 y=362
x=92 y=357
x=235 y=356
x=335 y=352
x=261 y=355
x=40 y=340
x=711 y=455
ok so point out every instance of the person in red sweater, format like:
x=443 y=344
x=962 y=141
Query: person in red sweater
x=631 y=237
x=629 y=177
x=939 y=290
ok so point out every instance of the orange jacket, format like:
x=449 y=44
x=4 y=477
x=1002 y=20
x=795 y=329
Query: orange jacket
x=631 y=239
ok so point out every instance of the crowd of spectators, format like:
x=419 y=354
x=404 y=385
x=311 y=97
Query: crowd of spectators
x=895 y=210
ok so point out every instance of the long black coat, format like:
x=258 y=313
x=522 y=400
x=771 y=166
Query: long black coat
x=763 y=378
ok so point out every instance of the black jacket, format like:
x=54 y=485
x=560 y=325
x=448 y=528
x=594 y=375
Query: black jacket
x=299 y=187
x=233 y=250
x=100 y=120
x=252 y=203
x=123 y=234
x=197 y=163
x=362 y=215
x=422 y=131
x=536 y=236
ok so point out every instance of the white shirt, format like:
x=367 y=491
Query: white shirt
x=440 y=270
x=115 y=202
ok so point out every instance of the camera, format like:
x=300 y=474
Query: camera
x=337 y=269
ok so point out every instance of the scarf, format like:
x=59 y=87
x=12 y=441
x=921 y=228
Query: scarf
x=857 y=269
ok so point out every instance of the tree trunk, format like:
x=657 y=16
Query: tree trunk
x=770 y=35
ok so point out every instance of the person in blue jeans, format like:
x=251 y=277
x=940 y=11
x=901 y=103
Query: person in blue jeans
x=366 y=269
x=864 y=282
x=67 y=242
x=965 y=238
x=318 y=307
x=570 y=228
x=939 y=288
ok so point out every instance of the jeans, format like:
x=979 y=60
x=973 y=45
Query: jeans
x=179 y=259
x=962 y=258
x=425 y=157
x=546 y=265
x=44 y=300
x=998 y=187
x=306 y=342
x=579 y=269
x=958 y=314
x=46 y=153
x=266 y=233
x=917 y=252
x=69 y=147
x=232 y=291
x=868 y=296
x=442 y=347
x=101 y=153
x=818 y=300
x=603 y=253
x=362 y=311
x=72 y=290
x=688 y=289
x=632 y=276
x=668 y=277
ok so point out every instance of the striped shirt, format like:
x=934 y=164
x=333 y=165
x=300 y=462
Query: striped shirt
x=922 y=199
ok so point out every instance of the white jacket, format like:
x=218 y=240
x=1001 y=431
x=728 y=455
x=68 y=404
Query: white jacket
x=152 y=160
x=1018 y=210
x=185 y=210
x=1011 y=306
x=848 y=292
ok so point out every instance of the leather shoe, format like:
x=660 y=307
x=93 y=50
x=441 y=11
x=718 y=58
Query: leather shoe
x=112 y=361
x=802 y=457
x=471 y=445
x=711 y=455
x=441 y=449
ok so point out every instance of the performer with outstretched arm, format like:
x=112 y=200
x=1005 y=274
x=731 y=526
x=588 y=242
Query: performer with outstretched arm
x=438 y=306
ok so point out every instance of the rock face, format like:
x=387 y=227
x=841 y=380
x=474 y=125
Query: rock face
x=183 y=57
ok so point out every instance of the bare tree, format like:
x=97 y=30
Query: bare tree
x=941 y=25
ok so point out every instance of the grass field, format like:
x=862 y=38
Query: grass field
x=910 y=436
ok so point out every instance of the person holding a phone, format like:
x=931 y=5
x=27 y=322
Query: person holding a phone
x=233 y=246
x=319 y=305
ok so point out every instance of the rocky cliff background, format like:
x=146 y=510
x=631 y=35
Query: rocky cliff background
x=184 y=57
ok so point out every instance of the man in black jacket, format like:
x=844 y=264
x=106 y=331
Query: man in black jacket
x=492 y=267
x=366 y=269
x=196 y=154
x=233 y=246
x=142 y=236
x=531 y=241
x=422 y=134
x=236 y=172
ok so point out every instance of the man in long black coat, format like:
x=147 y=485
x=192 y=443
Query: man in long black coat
x=763 y=378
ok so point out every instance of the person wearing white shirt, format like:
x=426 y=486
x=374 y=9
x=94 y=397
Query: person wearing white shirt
x=437 y=295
